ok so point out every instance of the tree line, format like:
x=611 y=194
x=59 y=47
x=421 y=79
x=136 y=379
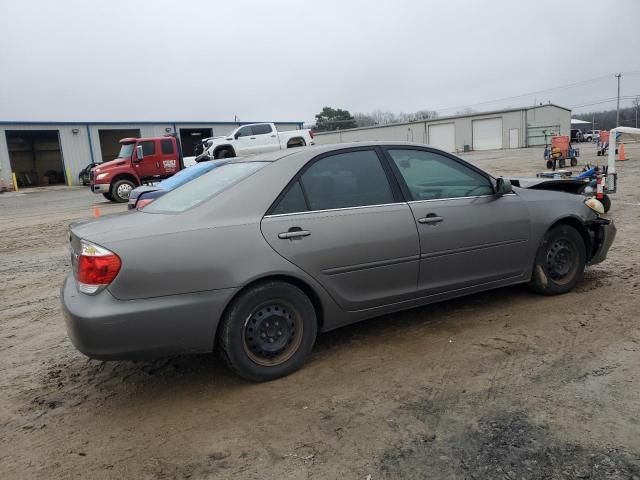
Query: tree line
x=337 y=119
x=606 y=120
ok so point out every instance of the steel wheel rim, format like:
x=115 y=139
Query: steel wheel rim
x=272 y=333
x=561 y=261
x=124 y=190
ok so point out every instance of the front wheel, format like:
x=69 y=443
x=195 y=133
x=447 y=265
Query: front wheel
x=268 y=331
x=574 y=162
x=108 y=196
x=559 y=262
x=121 y=190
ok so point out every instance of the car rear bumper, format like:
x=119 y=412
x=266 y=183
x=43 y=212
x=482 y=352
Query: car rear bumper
x=103 y=327
x=605 y=234
x=100 y=187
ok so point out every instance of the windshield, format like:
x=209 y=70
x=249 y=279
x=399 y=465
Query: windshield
x=190 y=173
x=203 y=188
x=126 y=150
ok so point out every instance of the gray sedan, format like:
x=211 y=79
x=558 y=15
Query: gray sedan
x=256 y=257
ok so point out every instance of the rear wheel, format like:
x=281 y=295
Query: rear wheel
x=574 y=162
x=268 y=331
x=549 y=163
x=121 y=190
x=108 y=196
x=226 y=153
x=560 y=261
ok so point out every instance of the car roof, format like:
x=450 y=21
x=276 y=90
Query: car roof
x=314 y=150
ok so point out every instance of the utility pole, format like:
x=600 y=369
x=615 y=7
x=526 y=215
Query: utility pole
x=619 y=75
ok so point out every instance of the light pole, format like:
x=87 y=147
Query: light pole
x=619 y=75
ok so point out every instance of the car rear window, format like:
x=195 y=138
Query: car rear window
x=203 y=188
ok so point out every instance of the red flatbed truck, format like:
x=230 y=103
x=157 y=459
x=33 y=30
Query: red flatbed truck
x=140 y=161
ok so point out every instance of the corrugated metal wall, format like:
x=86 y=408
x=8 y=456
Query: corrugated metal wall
x=418 y=131
x=77 y=153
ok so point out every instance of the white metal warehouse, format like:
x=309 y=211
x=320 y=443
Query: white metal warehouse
x=55 y=152
x=513 y=128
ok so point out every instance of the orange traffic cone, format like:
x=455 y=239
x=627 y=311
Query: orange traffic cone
x=621 y=151
x=96 y=212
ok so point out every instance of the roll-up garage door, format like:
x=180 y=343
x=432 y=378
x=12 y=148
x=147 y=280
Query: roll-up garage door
x=443 y=136
x=487 y=134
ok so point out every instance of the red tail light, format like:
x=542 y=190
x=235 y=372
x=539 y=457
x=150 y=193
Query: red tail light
x=96 y=268
x=144 y=202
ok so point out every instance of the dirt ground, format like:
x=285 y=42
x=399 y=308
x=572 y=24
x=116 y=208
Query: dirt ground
x=504 y=384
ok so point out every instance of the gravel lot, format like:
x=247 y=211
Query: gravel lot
x=505 y=384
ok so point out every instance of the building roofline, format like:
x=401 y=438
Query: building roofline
x=146 y=122
x=450 y=117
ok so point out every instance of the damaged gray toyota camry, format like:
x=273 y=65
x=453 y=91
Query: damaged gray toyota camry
x=256 y=257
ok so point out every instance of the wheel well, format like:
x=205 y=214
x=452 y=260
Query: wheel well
x=582 y=230
x=296 y=142
x=223 y=147
x=302 y=285
x=125 y=176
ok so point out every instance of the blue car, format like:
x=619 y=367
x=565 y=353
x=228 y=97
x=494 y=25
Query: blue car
x=145 y=194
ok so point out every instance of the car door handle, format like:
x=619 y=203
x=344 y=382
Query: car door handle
x=252 y=138
x=430 y=219
x=294 y=232
x=273 y=136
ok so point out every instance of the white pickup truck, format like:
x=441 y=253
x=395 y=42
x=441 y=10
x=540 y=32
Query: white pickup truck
x=255 y=138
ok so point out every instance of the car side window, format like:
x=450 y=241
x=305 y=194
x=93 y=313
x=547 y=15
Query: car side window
x=245 y=131
x=350 y=179
x=292 y=201
x=148 y=147
x=261 y=129
x=432 y=176
x=166 y=146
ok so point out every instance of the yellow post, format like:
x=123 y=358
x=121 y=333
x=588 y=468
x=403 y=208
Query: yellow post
x=69 y=182
x=15 y=181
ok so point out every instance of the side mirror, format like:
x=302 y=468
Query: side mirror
x=237 y=135
x=139 y=153
x=503 y=186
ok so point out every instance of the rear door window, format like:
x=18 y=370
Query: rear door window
x=261 y=129
x=349 y=179
x=292 y=201
x=166 y=146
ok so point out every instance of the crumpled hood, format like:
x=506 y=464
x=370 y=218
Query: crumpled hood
x=569 y=185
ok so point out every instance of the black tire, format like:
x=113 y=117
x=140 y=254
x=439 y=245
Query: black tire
x=562 y=163
x=119 y=188
x=574 y=162
x=275 y=312
x=225 y=153
x=606 y=203
x=108 y=197
x=549 y=163
x=560 y=261
x=598 y=153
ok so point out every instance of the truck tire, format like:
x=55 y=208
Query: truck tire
x=268 y=331
x=224 y=153
x=121 y=189
x=108 y=196
x=559 y=262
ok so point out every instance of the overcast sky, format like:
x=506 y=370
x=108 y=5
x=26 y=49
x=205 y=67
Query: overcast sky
x=284 y=60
